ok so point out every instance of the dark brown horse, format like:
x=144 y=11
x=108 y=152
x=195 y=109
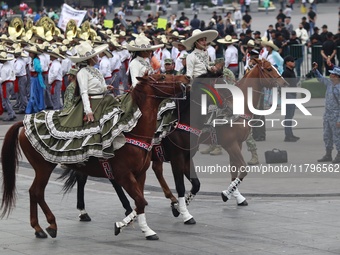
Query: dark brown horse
x=181 y=145
x=130 y=173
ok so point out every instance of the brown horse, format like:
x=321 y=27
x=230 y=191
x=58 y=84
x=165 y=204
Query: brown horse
x=130 y=173
x=181 y=146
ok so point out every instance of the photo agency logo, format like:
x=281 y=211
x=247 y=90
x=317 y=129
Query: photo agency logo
x=238 y=105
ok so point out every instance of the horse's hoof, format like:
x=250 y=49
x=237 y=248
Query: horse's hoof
x=84 y=217
x=244 y=203
x=224 y=197
x=117 y=230
x=190 y=222
x=52 y=232
x=40 y=234
x=152 y=238
x=174 y=210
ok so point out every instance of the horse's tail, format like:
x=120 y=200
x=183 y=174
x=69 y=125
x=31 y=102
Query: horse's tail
x=9 y=161
x=71 y=179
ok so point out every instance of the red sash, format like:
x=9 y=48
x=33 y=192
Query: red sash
x=126 y=63
x=52 y=87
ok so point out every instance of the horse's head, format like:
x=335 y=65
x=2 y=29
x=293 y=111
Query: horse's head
x=267 y=73
x=165 y=85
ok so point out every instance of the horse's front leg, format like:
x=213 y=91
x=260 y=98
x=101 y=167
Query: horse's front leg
x=179 y=166
x=191 y=175
x=132 y=187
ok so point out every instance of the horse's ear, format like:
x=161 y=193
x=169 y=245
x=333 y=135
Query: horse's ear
x=141 y=79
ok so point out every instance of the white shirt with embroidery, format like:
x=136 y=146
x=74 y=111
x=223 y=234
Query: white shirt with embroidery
x=91 y=82
x=197 y=63
x=138 y=67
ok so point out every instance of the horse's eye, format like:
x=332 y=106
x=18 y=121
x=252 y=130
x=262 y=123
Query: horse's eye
x=269 y=69
x=163 y=77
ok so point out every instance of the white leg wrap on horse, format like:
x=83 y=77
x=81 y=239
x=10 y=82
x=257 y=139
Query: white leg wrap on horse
x=239 y=198
x=188 y=198
x=144 y=226
x=232 y=187
x=127 y=220
x=183 y=209
x=82 y=212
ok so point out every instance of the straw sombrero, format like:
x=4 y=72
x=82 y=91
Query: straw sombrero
x=270 y=44
x=5 y=57
x=175 y=44
x=55 y=53
x=108 y=53
x=85 y=51
x=198 y=34
x=227 y=40
x=33 y=49
x=142 y=43
x=18 y=52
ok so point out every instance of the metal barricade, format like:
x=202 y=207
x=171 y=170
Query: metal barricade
x=316 y=56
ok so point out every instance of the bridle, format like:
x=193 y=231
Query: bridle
x=162 y=85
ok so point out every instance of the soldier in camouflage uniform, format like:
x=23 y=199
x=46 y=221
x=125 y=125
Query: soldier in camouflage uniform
x=331 y=117
x=251 y=145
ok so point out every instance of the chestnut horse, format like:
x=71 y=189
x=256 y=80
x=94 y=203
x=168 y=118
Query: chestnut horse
x=181 y=146
x=130 y=173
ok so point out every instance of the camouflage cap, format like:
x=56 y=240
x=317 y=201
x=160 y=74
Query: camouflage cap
x=229 y=76
x=168 y=61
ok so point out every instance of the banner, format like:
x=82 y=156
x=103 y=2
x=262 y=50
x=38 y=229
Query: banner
x=161 y=23
x=67 y=13
x=108 y=23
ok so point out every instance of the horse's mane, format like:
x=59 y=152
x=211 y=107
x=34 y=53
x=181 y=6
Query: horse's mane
x=137 y=94
x=210 y=75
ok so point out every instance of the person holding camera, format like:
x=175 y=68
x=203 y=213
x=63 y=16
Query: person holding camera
x=331 y=117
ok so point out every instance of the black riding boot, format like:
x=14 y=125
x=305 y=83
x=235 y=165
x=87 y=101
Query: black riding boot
x=327 y=157
x=337 y=158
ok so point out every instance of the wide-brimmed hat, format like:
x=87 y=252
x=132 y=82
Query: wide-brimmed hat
x=142 y=43
x=55 y=53
x=85 y=51
x=270 y=44
x=336 y=71
x=5 y=57
x=108 y=53
x=175 y=34
x=18 y=52
x=114 y=43
x=33 y=49
x=227 y=40
x=198 y=34
x=251 y=43
x=175 y=44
